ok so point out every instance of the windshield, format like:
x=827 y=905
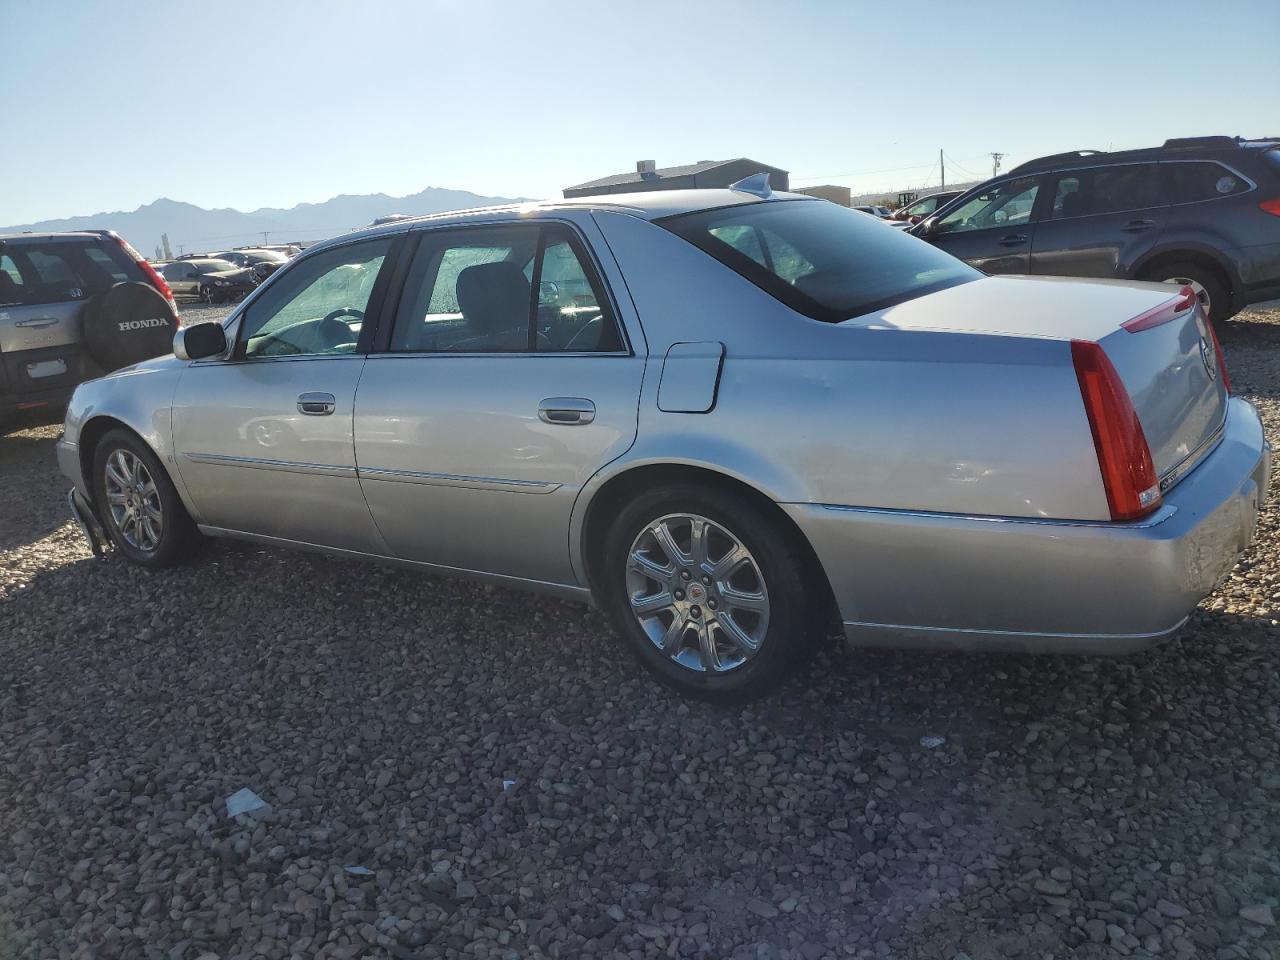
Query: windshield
x=212 y=266
x=828 y=262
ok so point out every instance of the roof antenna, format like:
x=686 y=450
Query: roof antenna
x=757 y=185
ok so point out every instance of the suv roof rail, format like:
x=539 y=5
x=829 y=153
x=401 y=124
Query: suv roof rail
x=1041 y=162
x=1201 y=143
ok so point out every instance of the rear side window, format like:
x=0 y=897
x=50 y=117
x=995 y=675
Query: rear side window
x=824 y=261
x=1190 y=181
x=1083 y=193
x=503 y=289
x=58 y=272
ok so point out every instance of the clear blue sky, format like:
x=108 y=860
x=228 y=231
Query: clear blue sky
x=242 y=103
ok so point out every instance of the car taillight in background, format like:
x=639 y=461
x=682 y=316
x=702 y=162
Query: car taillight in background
x=1128 y=472
x=150 y=272
x=1271 y=206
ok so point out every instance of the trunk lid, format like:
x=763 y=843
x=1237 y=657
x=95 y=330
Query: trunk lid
x=1169 y=368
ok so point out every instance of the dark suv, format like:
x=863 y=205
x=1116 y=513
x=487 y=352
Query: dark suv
x=1203 y=211
x=72 y=307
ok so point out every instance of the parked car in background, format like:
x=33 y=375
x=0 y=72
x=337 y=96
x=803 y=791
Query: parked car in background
x=1202 y=212
x=874 y=209
x=74 y=306
x=918 y=209
x=261 y=262
x=208 y=280
x=733 y=418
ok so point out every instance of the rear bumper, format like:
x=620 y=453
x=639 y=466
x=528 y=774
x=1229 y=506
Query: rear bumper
x=35 y=402
x=941 y=580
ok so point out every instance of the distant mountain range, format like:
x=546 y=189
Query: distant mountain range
x=196 y=229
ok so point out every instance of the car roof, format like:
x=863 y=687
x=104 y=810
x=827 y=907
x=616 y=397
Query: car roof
x=647 y=205
x=52 y=235
x=1184 y=148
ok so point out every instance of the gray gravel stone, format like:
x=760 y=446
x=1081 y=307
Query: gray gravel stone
x=381 y=712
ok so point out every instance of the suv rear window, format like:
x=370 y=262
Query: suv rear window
x=61 y=271
x=1194 y=180
x=824 y=261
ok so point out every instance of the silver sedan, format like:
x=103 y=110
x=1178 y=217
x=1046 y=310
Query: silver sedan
x=732 y=419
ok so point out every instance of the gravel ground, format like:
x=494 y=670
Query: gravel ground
x=512 y=786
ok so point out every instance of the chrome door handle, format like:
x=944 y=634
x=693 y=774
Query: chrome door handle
x=37 y=322
x=567 y=411
x=316 y=404
x=1137 y=226
x=1012 y=240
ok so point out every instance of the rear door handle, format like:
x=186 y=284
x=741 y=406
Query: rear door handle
x=1137 y=226
x=1012 y=240
x=567 y=411
x=316 y=404
x=37 y=322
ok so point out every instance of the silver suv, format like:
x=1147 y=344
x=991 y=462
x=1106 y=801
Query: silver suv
x=74 y=306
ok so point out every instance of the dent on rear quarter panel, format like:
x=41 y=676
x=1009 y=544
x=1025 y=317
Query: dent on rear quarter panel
x=912 y=420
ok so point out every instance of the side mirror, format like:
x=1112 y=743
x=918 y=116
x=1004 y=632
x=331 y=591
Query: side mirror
x=200 y=342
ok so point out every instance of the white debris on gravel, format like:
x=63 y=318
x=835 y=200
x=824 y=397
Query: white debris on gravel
x=1142 y=819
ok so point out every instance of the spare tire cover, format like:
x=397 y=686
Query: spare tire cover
x=127 y=324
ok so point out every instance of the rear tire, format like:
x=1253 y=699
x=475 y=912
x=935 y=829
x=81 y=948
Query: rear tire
x=138 y=504
x=1212 y=292
x=727 y=621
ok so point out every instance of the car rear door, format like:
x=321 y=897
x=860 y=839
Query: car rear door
x=504 y=384
x=263 y=439
x=1100 y=221
x=993 y=228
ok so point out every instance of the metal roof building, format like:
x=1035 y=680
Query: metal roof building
x=700 y=175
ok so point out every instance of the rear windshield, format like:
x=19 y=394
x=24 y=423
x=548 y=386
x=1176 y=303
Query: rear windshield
x=1272 y=159
x=825 y=261
x=58 y=271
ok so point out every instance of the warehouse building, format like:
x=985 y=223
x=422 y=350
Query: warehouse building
x=700 y=175
x=842 y=196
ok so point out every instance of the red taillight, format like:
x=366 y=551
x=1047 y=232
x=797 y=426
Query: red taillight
x=1184 y=301
x=153 y=277
x=1271 y=206
x=1128 y=472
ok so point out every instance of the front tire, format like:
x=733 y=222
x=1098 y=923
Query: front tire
x=713 y=594
x=137 y=502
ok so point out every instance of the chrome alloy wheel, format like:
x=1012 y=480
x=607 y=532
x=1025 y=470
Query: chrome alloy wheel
x=697 y=593
x=1197 y=288
x=134 y=501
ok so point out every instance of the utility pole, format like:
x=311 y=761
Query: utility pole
x=264 y=237
x=943 y=164
x=181 y=249
x=995 y=163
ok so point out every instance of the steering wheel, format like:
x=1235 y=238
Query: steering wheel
x=343 y=312
x=333 y=331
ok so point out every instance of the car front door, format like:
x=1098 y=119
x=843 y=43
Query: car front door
x=1100 y=221
x=993 y=229
x=504 y=384
x=263 y=439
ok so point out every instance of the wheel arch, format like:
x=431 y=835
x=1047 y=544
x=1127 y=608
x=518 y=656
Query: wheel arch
x=1191 y=253
x=614 y=491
